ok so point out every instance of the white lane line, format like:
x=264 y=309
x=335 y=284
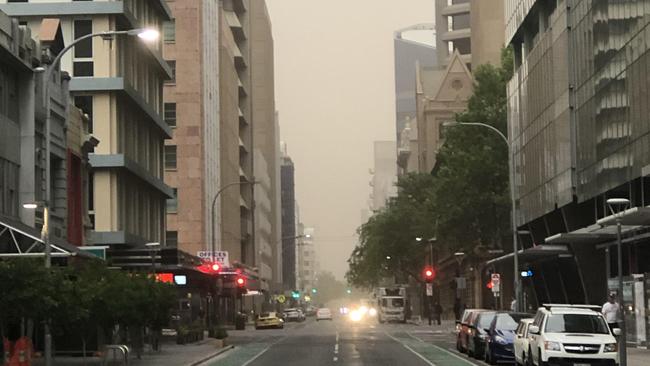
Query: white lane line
x=335 y=359
x=411 y=349
x=336 y=349
x=262 y=351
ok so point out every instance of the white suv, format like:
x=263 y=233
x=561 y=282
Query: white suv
x=571 y=334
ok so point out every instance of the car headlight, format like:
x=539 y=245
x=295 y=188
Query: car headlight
x=611 y=347
x=355 y=316
x=552 y=346
x=372 y=312
x=500 y=340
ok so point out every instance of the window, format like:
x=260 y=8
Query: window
x=576 y=323
x=170 y=114
x=171 y=239
x=169 y=31
x=170 y=157
x=83 y=51
x=172 y=203
x=85 y=103
x=172 y=65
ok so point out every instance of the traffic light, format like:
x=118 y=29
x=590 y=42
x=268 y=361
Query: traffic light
x=240 y=281
x=314 y=290
x=348 y=291
x=295 y=294
x=429 y=274
x=489 y=285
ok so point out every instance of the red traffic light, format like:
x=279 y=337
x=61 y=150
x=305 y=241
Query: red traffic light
x=241 y=281
x=489 y=285
x=429 y=274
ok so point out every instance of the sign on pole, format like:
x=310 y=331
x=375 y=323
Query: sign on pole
x=220 y=257
x=282 y=299
x=496 y=283
x=429 y=289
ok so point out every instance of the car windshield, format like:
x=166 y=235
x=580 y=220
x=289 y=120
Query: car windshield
x=508 y=321
x=265 y=315
x=576 y=323
x=485 y=319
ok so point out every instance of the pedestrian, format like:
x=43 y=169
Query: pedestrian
x=611 y=311
x=513 y=305
x=437 y=313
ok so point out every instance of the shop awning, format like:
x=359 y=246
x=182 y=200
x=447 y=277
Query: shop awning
x=534 y=253
x=20 y=240
x=635 y=216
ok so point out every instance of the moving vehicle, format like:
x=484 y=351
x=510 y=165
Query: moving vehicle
x=521 y=341
x=463 y=328
x=269 y=320
x=310 y=310
x=323 y=314
x=501 y=336
x=293 y=315
x=571 y=334
x=391 y=304
x=478 y=333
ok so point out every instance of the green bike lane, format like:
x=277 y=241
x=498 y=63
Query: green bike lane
x=435 y=355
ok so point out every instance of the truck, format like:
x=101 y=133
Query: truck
x=391 y=304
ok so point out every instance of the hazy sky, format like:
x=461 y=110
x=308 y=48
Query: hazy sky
x=335 y=96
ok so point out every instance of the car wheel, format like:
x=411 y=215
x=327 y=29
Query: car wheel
x=540 y=362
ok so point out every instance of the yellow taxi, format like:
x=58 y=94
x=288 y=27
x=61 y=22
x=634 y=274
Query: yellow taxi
x=269 y=320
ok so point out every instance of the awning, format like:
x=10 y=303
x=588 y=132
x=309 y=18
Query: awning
x=635 y=216
x=537 y=252
x=20 y=240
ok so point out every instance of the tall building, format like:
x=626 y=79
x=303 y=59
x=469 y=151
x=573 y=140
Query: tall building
x=288 y=199
x=22 y=144
x=118 y=83
x=307 y=262
x=472 y=27
x=408 y=53
x=266 y=135
x=193 y=159
x=384 y=174
x=577 y=120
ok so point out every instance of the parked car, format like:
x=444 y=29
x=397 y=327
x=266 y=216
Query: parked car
x=478 y=333
x=572 y=334
x=463 y=328
x=323 y=314
x=269 y=320
x=310 y=310
x=501 y=337
x=293 y=315
x=521 y=341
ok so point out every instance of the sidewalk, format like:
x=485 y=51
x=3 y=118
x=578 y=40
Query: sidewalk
x=171 y=355
x=638 y=357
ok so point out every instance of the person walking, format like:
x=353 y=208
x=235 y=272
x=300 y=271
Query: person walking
x=611 y=311
x=513 y=305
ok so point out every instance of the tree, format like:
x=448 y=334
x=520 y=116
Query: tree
x=472 y=203
x=387 y=245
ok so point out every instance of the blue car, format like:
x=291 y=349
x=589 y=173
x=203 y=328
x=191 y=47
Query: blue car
x=499 y=345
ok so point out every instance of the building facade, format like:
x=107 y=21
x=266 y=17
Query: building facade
x=474 y=28
x=384 y=174
x=576 y=115
x=123 y=100
x=307 y=268
x=289 y=233
x=408 y=53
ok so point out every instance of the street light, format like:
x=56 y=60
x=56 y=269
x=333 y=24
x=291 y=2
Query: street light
x=146 y=34
x=388 y=257
x=618 y=206
x=214 y=202
x=511 y=163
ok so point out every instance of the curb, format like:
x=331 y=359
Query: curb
x=217 y=353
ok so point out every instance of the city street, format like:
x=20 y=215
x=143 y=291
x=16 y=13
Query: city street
x=343 y=343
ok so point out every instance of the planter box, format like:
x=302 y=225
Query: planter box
x=220 y=343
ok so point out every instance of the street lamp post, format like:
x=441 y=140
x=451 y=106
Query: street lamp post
x=213 y=247
x=146 y=34
x=511 y=163
x=621 y=204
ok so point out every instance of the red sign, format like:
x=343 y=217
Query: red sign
x=165 y=277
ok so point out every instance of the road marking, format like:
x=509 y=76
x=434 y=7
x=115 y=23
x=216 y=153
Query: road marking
x=455 y=355
x=336 y=348
x=264 y=350
x=335 y=359
x=411 y=349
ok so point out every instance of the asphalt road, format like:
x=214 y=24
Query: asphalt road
x=341 y=342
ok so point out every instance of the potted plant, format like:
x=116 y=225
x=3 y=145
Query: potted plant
x=221 y=334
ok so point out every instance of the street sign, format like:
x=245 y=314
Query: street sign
x=429 y=289
x=282 y=299
x=218 y=256
x=307 y=298
x=496 y=282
